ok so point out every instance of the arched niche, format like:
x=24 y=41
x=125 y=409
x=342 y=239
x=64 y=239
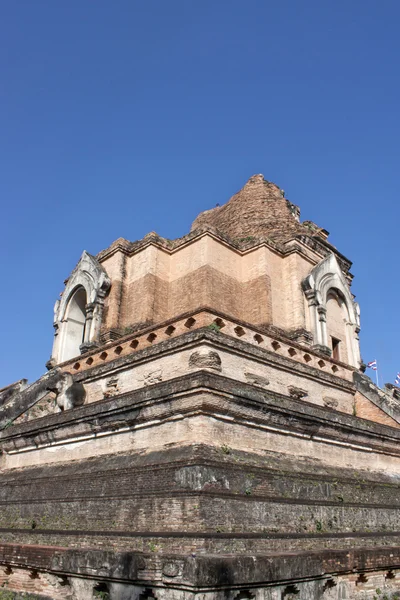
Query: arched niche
x=334 y=315
x=74 y=325
x=337 y=317
x=78 y=313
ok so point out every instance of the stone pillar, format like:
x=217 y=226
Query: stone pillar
x=312 y=305
x=56 y=344
x=87 y=343
x=322 y=324
x=353 y=344
x=82 y=588
x=97 y=316
x=356 y=345
x=89 y=321
x=322 y=346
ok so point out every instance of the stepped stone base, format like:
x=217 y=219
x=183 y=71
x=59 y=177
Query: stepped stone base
x=213 y=489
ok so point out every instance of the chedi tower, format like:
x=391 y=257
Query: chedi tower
x=204 y=430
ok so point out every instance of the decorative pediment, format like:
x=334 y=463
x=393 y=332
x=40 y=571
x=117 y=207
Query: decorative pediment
x=78 y=314
x=327 y=281
x=325 y=276
x=88 y=274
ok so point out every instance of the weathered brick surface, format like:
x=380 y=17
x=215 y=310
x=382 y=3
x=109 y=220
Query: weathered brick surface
x=259 y=209
x=220 y=499
x=308 y=570
x=205 y=500
x=367 y=410
x=157 y=295
x=235 y=261
x=251 y=406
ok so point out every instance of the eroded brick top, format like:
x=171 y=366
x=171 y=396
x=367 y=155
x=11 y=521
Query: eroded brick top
x=258 y=210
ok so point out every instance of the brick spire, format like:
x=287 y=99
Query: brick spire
x=258 y=210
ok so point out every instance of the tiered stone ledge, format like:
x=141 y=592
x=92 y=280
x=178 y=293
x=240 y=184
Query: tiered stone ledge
x=218 y=322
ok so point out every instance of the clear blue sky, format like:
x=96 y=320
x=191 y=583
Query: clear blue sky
x=121 y=117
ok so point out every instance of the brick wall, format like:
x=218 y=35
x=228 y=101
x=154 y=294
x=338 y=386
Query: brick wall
x=365 y=409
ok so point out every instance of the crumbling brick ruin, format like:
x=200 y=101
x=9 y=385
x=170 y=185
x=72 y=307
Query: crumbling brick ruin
x=205 y=430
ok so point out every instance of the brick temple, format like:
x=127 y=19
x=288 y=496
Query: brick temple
x=204 y=430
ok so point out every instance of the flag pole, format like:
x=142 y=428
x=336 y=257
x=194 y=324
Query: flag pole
x=376 y=372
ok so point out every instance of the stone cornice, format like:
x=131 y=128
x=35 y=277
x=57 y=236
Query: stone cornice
x=320 y=248
x=212 y=395
x=201 y=573
x=172 y=246
x=262 y=338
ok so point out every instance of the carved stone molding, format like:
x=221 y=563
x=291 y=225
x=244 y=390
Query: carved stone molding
x=205 y=358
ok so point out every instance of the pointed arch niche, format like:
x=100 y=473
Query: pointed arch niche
x=334 y=316
x=74 y=324
x=78 y=313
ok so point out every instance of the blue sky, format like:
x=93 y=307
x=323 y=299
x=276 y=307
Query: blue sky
x=119 y=118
